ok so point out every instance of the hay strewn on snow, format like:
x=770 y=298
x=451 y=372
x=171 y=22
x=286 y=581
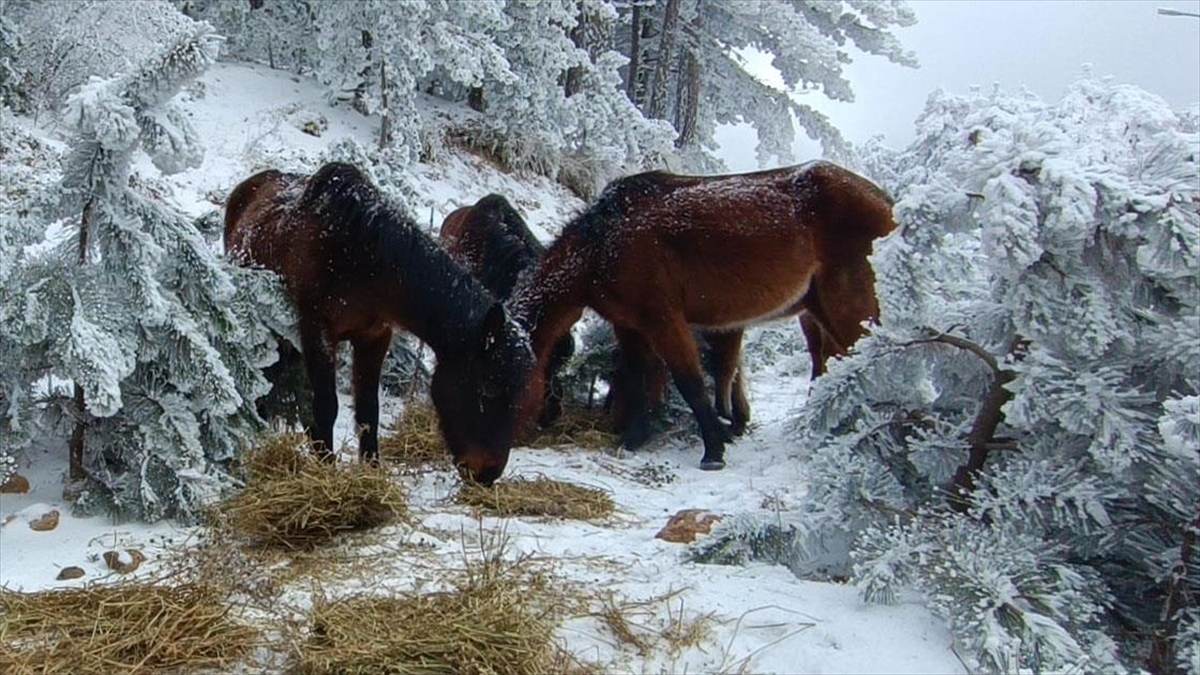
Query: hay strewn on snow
x=540 y=496
x=582 y=427
x=500 y=620
x=415 y=438
x=294 y=500
x=130 y=628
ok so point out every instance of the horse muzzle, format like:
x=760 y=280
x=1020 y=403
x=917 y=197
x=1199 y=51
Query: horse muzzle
x=480 y=468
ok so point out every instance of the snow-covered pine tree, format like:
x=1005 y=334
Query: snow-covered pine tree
x=163 y=340
x=688 y=66
x=12 y=77
x=279 y=34
x=66 y=43
x=1019 y=437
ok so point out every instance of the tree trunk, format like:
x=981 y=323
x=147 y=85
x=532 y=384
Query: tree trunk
x=635 y=54
x=385 y=125
x=475 y=99
x=1162 y=657
x=75 y=471
x=574 y=79
x=983 y=431
x=689 y=101
x=662 y=65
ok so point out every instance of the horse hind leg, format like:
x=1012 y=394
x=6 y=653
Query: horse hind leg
x=320 y=363
x=369 y=354
x=725 y=349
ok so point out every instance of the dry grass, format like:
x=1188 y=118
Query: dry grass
x=500 y=618
x=295 y=501
x=130 y=628
x=415 y=438
x=581 y=427
x=540 y=496
x=639 y=624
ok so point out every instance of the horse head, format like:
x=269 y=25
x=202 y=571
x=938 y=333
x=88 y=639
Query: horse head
x=478 y=394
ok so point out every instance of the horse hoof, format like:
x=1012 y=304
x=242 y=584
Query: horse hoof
x=712 y=464
x=634 y=439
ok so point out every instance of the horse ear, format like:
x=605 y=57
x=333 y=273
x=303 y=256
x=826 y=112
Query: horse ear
x=493 y=326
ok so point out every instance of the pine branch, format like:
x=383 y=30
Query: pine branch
x=981 y=438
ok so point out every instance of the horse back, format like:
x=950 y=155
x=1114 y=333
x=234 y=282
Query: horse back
x=726 y=251
x=252 y=205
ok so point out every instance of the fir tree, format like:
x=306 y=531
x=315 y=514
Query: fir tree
x=162 y=339
x=1018 y=436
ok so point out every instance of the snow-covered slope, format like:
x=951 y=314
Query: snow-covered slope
x=762 y=618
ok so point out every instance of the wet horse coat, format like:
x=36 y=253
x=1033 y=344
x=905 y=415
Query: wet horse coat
x=356 y=268
x=492 y=241
x=658 y=254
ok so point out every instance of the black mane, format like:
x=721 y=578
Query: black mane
x=617 y=197
x=510 y=249
x=358 y=215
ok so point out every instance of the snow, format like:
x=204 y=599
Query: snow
x=762 y=618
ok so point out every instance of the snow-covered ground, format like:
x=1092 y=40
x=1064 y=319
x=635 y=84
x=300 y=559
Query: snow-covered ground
x=761 y=618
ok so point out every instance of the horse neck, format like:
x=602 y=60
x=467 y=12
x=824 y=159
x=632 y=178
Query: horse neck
x=436 y=299
x=551 y=299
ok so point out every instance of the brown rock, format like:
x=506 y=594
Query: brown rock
x=114 y=562
x=47 y=522
x=684 y=526
x=68 y=573
x=15 y=485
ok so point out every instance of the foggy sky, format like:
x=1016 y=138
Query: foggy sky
x=1040 y=45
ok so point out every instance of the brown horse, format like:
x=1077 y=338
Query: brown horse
x=491 y=240
x=658 y=253
x=355 y=268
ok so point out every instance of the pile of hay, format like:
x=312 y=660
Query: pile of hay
x=581 y=427
x=129 y=628
x=293 y=500
x=540 y=496
x=415 y=438
x=497 y=621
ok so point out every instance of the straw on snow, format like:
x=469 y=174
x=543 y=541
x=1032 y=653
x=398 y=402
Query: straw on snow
x=294 y=500
x=130 y=628
x=501 y=619
x=539 y=496
x=415 y=439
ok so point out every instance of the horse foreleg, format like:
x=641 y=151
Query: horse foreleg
x=726 y=351
x=555 y=388
x=369 y=354
x=810 y=325
x=631 y=388
x=673 y=341
x=321 y=366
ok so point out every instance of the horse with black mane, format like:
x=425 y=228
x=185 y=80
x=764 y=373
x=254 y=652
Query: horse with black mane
x=491 y=240
x=658 y=254
x=356 y=268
